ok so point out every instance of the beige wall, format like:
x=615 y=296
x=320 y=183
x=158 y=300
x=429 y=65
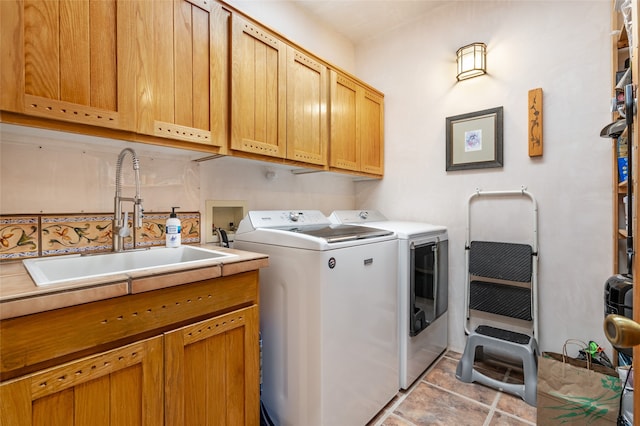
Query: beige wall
x=531 y=44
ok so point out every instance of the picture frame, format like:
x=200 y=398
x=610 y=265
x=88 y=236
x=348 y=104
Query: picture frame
x=474 y=140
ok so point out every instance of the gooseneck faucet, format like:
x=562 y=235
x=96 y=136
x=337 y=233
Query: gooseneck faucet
x=121 y=225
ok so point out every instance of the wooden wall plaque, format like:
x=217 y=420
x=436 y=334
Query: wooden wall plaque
x=535 y=123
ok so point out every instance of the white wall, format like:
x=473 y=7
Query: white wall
x=51 y=172
x=246 y=180
x=296 y=25
x=530 y=44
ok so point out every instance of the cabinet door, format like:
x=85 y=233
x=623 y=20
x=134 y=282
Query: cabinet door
x=59 y=60
x=212 y=371
x=357 y=126
x=345 y=123
x=121 y=387
x=306 y=109
x=372 y=133
x=258 y=90
x=184 y=71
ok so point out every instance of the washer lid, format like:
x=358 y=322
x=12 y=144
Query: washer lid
x=375 y=219
x=305 y=229
x=340 y=233
x=409 y=230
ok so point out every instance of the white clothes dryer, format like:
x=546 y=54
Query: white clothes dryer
x=423 y=295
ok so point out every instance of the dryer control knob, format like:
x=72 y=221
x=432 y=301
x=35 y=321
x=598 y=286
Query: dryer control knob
x=293 y=216
x=363 y=214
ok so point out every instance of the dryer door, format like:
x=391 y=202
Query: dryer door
x=428 y=287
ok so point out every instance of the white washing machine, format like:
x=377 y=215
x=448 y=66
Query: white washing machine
x=328 y=317
x=423 y=262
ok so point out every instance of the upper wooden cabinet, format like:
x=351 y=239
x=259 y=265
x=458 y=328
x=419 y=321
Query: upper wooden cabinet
x=372 y=132
x=193 y=74
x=69 y=60
x=357 y=126
x=183 y=81
x=307 y=125
x=258 y=90
x=345 y=123
x=279 y=97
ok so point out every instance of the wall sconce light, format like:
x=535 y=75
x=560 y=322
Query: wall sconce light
x=472 y=60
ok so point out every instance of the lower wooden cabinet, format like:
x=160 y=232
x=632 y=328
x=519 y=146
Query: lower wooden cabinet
x=210 y=374
x=119 y=387
x=184 y=355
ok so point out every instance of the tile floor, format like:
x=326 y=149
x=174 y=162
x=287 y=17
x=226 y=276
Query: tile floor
x=438 y=398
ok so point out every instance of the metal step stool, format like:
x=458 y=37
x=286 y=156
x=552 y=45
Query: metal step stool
x=501 y=283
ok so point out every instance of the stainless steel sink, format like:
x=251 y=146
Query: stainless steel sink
x=57 y=270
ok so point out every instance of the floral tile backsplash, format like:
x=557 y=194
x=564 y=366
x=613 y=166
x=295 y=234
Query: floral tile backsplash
x=77 y=234
x=50 y=235
x=152 y=232
x=19 y=237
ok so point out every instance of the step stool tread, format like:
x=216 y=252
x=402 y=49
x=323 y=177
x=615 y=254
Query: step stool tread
x=508 y=335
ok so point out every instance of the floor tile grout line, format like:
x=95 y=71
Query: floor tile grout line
x=514 y=416
x=507 y=376
x=492 y=408
x=402 y=396
x=457 y=394
x=392 y=415
x=444 y=355
x=494 y=405
x=389 y=412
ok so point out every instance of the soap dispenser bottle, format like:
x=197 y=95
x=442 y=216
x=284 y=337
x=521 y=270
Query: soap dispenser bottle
x=173 y=229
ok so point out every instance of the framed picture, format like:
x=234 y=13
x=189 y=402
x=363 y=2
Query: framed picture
x=474 y=140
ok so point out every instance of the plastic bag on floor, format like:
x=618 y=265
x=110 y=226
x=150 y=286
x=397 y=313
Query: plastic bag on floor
x=597 y=354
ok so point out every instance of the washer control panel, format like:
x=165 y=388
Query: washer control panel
x=283 y=218
x=356 y=216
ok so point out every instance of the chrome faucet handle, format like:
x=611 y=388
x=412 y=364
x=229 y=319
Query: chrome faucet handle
x=124 y=231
